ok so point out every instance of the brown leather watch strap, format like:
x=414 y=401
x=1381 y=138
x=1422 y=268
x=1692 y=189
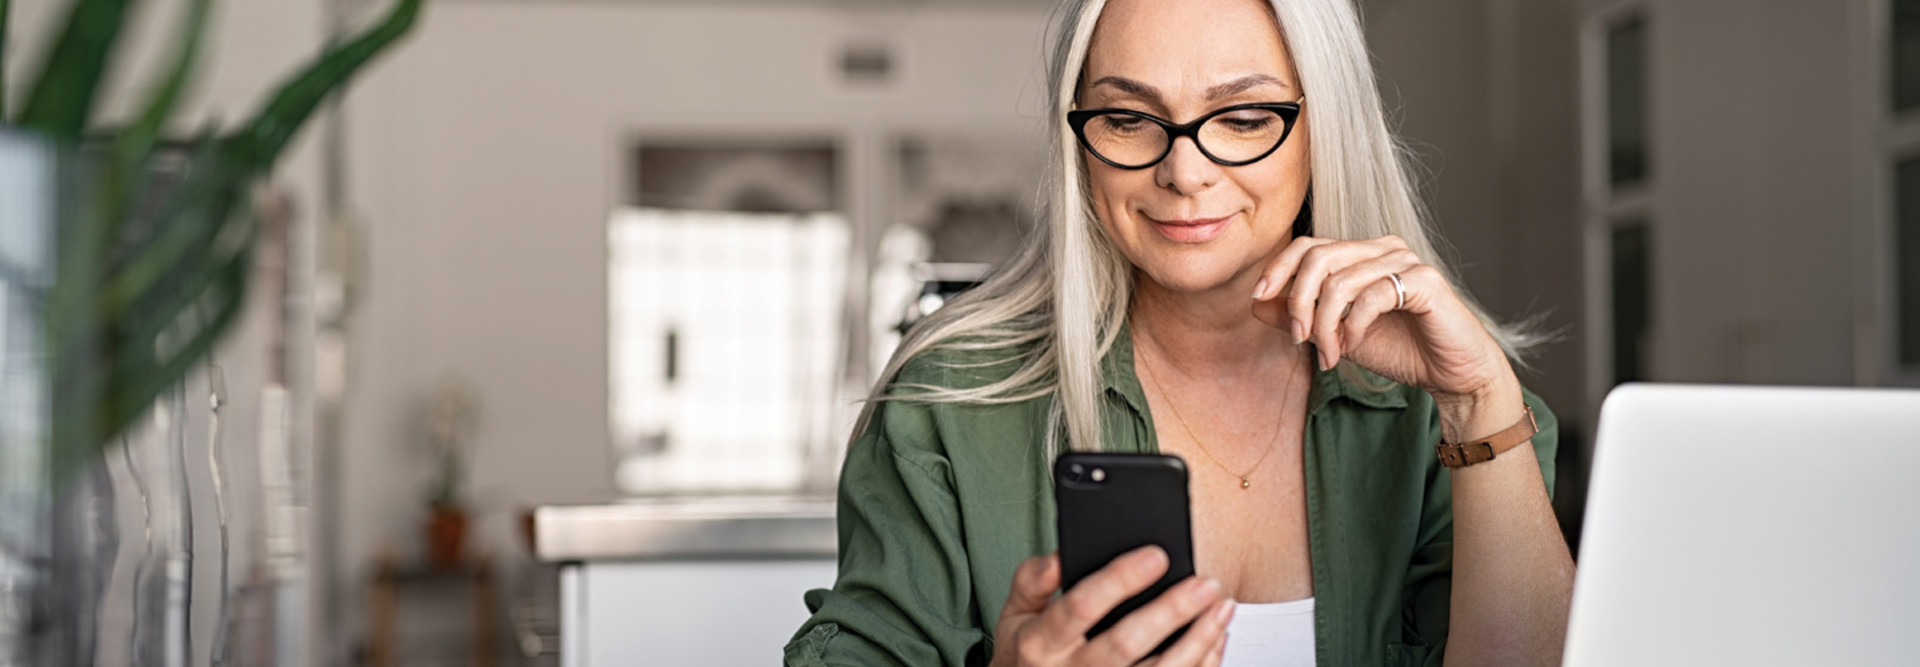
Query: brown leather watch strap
x=1461 y=455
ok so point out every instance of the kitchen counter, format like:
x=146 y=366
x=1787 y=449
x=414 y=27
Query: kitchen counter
x=687 y=580
x=687 y=527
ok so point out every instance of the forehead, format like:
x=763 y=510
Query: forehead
x=1184 y=46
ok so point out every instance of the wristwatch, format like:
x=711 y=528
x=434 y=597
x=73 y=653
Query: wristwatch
x=1463 y=454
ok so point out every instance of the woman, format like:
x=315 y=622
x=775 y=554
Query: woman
x=1182 y=299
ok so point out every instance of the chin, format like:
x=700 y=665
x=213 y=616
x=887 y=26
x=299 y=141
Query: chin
x=1191 y=275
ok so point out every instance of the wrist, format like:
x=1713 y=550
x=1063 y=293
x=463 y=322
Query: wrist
x=1481 y=412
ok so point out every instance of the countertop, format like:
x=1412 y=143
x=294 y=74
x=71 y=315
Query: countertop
x=695 y=527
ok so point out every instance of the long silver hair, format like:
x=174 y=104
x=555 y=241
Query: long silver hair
x=1056 y=308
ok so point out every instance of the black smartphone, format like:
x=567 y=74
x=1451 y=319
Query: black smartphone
x=1110 y=504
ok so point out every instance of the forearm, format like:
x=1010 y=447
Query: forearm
x=1512 y=574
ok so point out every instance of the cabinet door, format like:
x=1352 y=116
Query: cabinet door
x=684 y=613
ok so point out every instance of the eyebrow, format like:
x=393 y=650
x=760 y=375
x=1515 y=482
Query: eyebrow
x=1149 y=93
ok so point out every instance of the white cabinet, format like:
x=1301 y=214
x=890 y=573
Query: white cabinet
x=715 y=612
x=685 y=581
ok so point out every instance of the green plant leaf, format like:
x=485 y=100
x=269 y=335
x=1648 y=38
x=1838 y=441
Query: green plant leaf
x=155 y=314
x=135 y=143
x=115 y=394
x=296 y=99
x=194 y=216
x=3 y=60
x=132 y=387
x=115 y=355
x=62 y=98
x=74 y=331
x=135 y=307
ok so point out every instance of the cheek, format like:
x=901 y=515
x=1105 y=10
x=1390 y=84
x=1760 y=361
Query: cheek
x=1276 y=185
x=1097 y=189
x=1280 y=183
x=1110 y=190
x=1299 y=153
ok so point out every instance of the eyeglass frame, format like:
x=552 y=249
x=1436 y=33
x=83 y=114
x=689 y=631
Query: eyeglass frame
x=1289 y=113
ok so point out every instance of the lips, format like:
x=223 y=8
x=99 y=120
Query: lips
x=1197 y=230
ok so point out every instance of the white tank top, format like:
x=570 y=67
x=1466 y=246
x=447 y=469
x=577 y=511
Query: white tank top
x=1279 y=634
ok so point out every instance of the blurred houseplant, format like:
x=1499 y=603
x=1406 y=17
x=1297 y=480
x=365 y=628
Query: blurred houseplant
x=146 y=275
x=132 y=308
x=449 y=419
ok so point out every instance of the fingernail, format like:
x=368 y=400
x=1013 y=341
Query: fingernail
x=1224 y=612
x=1324 y=363
x=1260 y=290
x=1299 y=332
x=1207 y=590
x=1151 y=560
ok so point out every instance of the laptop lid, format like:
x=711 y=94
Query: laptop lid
x=1751 y=526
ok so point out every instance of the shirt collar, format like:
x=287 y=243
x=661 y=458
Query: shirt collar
x=1118 y=372
x=1121 y=380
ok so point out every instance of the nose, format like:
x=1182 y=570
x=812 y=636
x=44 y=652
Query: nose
x=1186 y=170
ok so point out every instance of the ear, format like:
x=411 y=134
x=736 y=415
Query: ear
x=1303 y=223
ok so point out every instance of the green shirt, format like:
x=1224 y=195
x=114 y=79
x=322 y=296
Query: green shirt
x=940 y=502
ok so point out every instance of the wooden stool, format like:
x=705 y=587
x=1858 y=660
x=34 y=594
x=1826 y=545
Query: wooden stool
x=391 y=580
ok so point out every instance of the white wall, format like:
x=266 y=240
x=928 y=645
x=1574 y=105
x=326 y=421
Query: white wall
x=1757 y=220
x=1741 y=164
x=1763 y=235
x=486 y=160
x=1483 y=91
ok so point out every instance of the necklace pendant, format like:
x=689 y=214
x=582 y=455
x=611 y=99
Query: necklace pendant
x=1245 y=483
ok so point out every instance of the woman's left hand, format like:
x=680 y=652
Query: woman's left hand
x=1339 y=295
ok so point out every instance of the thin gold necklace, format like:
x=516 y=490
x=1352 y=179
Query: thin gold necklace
x=1246 y=478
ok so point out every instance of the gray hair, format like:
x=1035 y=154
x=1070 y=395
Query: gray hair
x=1066 y=293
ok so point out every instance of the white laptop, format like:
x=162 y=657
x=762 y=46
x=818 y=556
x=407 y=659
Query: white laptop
x=1751 y=526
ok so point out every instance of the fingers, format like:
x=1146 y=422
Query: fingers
x=1303 y=268
x=1219 y=653
x=1197 y=601
x=1069 y=618
x=1284 y=266
x=1339 y=291
x=1316 y=265
x=1033 y=584
x=1211 y=652
x=1377 y=299
x=1323 y=282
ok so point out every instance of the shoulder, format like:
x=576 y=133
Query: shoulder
x=961 y=364
x=961 y=399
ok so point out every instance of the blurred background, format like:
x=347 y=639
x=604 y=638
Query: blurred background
x=635 y=261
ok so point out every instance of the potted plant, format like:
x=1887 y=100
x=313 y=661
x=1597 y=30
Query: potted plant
x=125 y=287
x=450 y=417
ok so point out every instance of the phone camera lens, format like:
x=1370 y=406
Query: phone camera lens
x=1099 y=475
x=1076 y=471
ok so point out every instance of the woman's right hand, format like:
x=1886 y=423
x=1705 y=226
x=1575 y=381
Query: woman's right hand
x=1038 y=629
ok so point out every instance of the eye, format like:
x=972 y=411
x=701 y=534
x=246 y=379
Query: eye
x=1247 y=121
x=1122 y=124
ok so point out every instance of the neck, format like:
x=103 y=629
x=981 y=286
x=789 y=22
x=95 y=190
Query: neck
x=1211 y=334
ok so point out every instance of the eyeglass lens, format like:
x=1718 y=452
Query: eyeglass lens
x=1234 y=136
